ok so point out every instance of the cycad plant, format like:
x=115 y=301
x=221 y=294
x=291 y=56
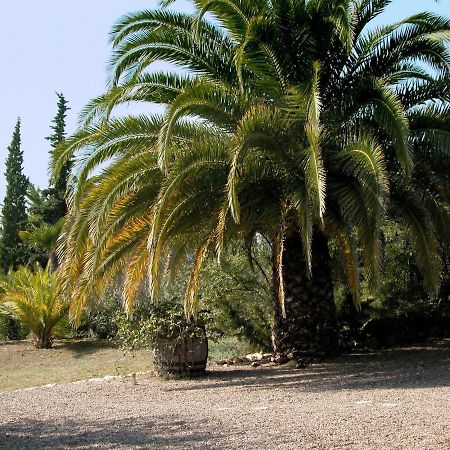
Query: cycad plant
x=35 y=299
x=295 y=120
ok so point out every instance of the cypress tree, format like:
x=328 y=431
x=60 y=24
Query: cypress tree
x=58 y=190
x=49 y=206
x=55 y=206
x=13 y=252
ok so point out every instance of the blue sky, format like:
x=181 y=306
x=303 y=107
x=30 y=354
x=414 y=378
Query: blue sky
x=49 y=46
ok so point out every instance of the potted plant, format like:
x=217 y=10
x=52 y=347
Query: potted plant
x=180 y=346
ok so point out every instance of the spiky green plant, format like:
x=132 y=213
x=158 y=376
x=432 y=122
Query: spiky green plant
x=35 y=299
x=44 y=237
x=295 y=119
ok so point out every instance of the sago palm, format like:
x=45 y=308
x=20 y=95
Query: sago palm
x=36 y=300
x=294 y=119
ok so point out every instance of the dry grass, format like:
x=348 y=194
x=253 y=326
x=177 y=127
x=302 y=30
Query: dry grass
x=23 y=366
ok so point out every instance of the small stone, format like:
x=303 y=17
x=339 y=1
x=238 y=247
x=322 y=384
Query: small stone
x=254 y=357
x=256 y=364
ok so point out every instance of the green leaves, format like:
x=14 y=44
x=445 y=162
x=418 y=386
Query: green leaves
x=290 y=115
x=363 y=160
x=412 y=215
x=261 y=128
x=314 y=169
x=148 y=36
x=35 y=299
x=390 y=116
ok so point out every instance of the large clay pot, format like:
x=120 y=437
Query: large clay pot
x=186 y=357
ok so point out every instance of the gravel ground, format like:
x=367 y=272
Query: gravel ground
x=396 y=399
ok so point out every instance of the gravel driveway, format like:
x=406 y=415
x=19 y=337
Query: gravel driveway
x=396 y=399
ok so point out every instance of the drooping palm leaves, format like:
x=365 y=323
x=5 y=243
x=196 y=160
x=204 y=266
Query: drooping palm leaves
x=292 y=115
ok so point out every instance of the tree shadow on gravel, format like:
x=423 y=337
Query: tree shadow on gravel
x=404 y=368
x=137 y=432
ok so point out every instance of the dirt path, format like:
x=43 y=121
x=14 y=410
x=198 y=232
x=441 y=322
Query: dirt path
x=398 y=399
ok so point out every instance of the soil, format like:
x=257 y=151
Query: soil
x=22 y=365
x=392 y=399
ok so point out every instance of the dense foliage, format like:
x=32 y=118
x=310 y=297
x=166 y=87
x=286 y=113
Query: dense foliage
x=235 y=297
x=164 y=320
x=13 y=252
x=35 y=299
x=238 y=294
x=48 y=207
x=312 y=127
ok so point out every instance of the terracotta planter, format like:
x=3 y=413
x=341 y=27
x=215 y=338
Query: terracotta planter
x=188 y=356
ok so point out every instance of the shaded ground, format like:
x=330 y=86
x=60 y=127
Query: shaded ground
x=397 y=399
x=21 y=365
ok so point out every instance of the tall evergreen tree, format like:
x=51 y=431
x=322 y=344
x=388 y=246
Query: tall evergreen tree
x=55 y=205
x=59 y=133
x=13 y=252
x=49 y=206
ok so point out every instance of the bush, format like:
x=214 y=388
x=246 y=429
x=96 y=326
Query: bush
x=238 y=296
x=163 y=320
x=34 y=298
x=235 y=297
x=399 y=311
x=99 y=320
x=21 y=330
x=400 y=289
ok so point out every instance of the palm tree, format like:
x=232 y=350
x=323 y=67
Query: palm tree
x=44 y=237
x=35 y=300
x=295 y=120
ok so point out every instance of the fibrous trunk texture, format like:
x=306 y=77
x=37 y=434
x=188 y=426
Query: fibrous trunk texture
x=44 y=340
x=53 y=261
x=309 y=328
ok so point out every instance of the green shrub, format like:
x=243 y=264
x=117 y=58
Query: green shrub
x=34 y=298
x=162 y=320
x=5 y=328
x=400 y=289
x=238 y=296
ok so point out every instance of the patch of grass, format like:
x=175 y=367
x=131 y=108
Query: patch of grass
x=229 y=347
x=22 y=365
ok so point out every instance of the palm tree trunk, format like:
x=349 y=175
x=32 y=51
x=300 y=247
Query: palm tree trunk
x=53 y=261
x=43 y=341
x=309 y=328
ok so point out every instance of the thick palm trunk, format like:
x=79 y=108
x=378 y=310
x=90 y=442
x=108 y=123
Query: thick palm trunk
x=309 y=328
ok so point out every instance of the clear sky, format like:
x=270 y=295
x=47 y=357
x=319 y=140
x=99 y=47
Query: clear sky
x=49 y=46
